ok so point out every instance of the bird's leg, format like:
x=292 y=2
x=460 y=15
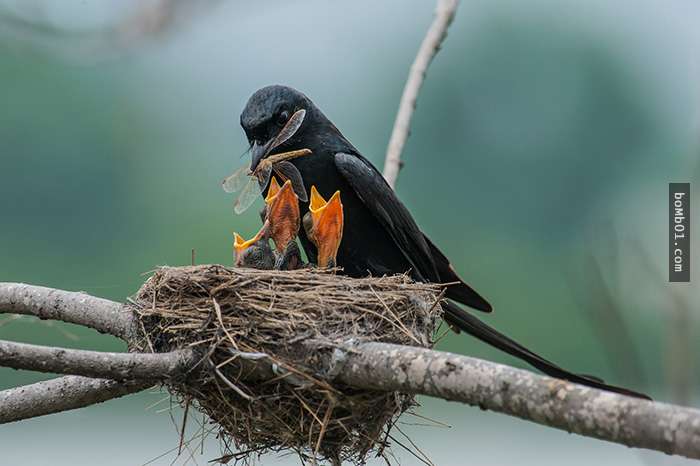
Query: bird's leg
x=324 y=226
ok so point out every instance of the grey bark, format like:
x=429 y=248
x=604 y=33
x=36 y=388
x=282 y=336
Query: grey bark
x=61 y=394
x=116 y=366
x=377 y=366
x=544 y=400
x=74 y=307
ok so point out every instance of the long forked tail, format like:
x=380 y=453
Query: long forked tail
x=459 y=318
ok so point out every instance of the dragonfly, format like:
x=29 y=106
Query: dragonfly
x=250 y=183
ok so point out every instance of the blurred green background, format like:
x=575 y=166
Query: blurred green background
x=541 y=149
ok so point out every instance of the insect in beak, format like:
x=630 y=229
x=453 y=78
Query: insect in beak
x=260 y=151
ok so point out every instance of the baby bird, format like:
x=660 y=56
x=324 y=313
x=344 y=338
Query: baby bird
x=324 y=226
x=283 y=217
x=254 y=253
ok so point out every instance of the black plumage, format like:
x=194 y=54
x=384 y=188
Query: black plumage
x=380 y=236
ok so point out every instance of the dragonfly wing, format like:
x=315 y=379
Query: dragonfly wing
x=289 y=129
x=248 y=195
x=236 y=180
x=288 y=171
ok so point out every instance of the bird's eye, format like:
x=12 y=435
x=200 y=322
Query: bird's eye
x=283 y=117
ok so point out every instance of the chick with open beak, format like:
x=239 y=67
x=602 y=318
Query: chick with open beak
x=283 y=217
x=324 y=226
x=256 y=252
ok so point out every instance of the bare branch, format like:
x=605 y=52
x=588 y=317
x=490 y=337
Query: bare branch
x=377 y=366
x=545 y=400
x=444 y=14
x=61 y=394
x=76 y=308
x=115 y=366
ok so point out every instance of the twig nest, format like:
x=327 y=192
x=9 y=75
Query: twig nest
x=286 y=326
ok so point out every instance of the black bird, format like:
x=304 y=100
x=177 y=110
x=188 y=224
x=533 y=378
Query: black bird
x=381 y=236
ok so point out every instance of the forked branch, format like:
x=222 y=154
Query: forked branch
x=378 y=366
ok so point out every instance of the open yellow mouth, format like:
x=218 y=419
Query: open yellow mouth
x=327 y=226
x=272 y=191
x=240 y=244
x=282 y=213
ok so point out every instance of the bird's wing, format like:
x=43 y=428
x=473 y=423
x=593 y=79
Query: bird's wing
x=373 y=190
x=422 y=254
x=459 y=291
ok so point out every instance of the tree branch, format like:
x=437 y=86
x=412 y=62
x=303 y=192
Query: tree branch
x=377 y=366
x=61 y=394
x=544 y=400
x=444 y=14
x=76 y=308
x=115 y=366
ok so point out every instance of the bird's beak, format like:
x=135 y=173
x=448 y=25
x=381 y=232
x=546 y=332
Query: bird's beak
x=257 y=152
x=272 y=191
x=326 y=226
x=282 y=213
x=240 y=244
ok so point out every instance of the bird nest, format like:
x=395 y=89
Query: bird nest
x=238 y=319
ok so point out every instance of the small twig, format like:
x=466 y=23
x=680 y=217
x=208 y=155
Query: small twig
x=221 y=321
x=201 y=444
x=399 y=323
x=434 y=421
x=184 y=424
x=307 y=408
x=410 y=451
x=194 y=437
x=413 y=444
x=444 y=14
x=230 y=384
x=324 y=425
x=153 y=405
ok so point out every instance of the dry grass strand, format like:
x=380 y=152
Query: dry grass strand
x=295 y=319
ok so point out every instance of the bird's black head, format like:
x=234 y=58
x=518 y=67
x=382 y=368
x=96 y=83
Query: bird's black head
x=274 y=115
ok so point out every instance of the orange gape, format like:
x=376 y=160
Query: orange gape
x=326 y=229
x=282 y=213
x=242 y=248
